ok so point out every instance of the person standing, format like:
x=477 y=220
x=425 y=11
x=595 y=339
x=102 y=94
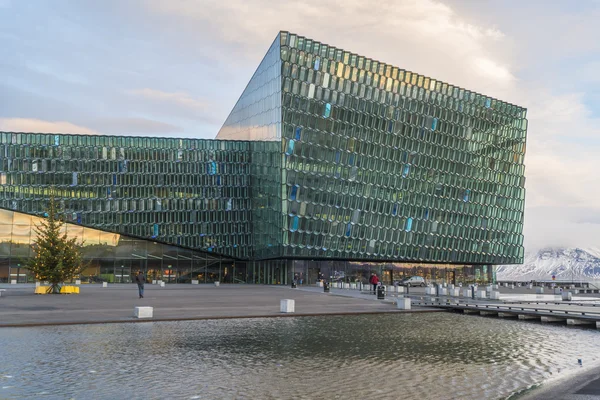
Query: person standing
x=140 y=279
x=374 y=281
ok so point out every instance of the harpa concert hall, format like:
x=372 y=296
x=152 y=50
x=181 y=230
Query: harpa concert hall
x=329 y=162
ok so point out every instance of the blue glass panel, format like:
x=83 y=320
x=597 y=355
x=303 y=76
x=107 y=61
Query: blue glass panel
x=405 y=171
x=290 y=147
x=466 y=195
x=426 y=214
x=212 y=168
x=434 y=124
x=294 y=192
x=351 y=159
x=155 y=230
x=348 y=230
x=317 y=63
x=298 y=133
x=409 y=224
x=338 y=155
x=295 y=222
x=488 y=103
x=395 y=210
x=327 y=111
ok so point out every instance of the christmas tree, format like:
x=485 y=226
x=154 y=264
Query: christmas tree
x=57 y=258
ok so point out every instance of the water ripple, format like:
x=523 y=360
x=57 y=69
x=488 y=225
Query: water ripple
x=438 y=355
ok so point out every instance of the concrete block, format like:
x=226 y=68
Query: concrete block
x=104 y=284
x=162 y=284
x=154 y=281
x=495 y=287
x=37 y=284
x=443 y=292
x=346 y=286
x=400 y=289
x=353 y=286
x=488 y=288
x=217 y=283
x=529 y=286
x=466 y=293
x=78 y=281
x=287 y=305
x=579 y=321
x=506 y=315
x=481 y=294
x=403 y=303
x=194 y=281
x=539 y=290
x=512 y=286
x=576 y=291
x=494 y=295
x=518 y=285
x=485 y=313
x=13 y=281
x=450 y=287
x=545 y=318
x=597 y=324
x=526 y=316
x=558 y=291
x=143 y=312
x=320 y=284
x=567 y=296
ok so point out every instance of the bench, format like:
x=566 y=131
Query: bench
x=2 y=290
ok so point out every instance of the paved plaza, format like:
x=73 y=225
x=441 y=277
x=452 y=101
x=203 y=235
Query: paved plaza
x=20 y=307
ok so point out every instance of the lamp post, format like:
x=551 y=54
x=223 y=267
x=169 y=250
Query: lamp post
x=122 y=267
x=18 y=272
x=169 y=268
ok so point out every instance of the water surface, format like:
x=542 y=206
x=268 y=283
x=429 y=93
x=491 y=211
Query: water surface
x=418 y=356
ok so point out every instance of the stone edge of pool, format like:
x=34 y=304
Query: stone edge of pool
x=214 y=317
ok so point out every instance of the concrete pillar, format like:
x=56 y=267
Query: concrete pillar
x=579 y=321
x=484 y=313
x=545 y=318
x=403 y=303
x=287 y=306
x=527 y=316
x=143 y=312
x=506 y=315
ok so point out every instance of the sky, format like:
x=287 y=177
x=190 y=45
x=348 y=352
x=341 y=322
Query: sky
x=176 y=68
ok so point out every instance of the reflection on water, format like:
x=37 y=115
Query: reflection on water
x=415 y=356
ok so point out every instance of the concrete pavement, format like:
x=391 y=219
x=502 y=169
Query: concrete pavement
x=20 y=307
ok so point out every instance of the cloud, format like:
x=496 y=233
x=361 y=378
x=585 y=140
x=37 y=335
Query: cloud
x=134 y=125
x=178 y=98
x=38 y=125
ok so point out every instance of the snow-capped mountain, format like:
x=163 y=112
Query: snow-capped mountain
x=565 y=263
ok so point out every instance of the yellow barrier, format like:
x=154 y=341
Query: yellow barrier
x=41 y=289
x=63 y=290
x=69 y=290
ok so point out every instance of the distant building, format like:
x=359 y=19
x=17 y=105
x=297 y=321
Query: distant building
x=329 y=162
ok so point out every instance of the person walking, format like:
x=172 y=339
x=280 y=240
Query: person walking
x=140 y=279
x=374 y=280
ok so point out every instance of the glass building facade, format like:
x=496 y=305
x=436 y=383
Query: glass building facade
x=329 y=162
